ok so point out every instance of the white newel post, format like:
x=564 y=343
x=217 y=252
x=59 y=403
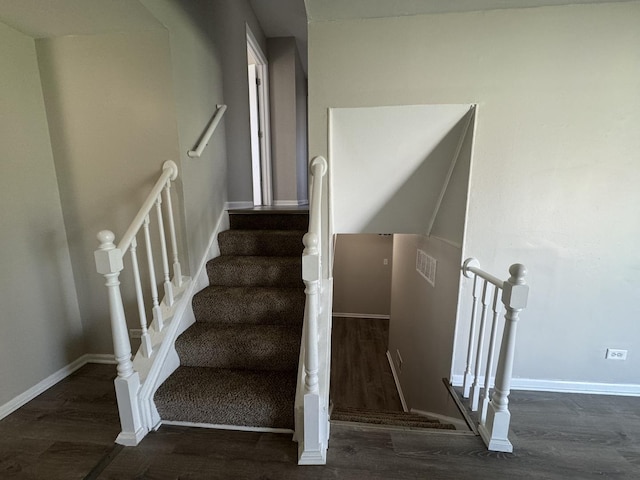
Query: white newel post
x=312 y=441
x=127 y=384
x=514 y=297
x=312 y=450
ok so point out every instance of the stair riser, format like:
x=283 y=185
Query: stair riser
x=228 y=305
x=268 y=244
x=253 y=221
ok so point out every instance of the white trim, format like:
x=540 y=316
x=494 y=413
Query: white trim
x=215 y=426
x=448 y=242
x=289 y=203
x=25 y=397
x=397 y=380
x=460 y=424
x=564 y=386
x=373 y=316
x=237 y=205
x=262 y=73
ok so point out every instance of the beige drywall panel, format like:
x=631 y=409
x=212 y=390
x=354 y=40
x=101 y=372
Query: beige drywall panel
x=389 y=165
x=40 y=322
x=423 y=319
x=302 y=147
x=196 y=66
x=555 y=174
x=111 y=115
x=231 y=20
x=362 y=274
x=282 y=54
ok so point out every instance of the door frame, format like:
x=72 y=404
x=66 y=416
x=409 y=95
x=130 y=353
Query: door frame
x=261 y=160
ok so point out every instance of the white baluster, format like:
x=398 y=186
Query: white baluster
x=466 y=386
x=145 y=338
x=514 y=297
x=177 y=270
x=475 y=389
x=168 y=287
x=157 y=311
x=109 y=263
x=310 y=275
x=490 y=356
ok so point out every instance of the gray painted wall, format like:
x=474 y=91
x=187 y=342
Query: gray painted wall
x=111 y=115
x=40 y=322
x=288 y=97
x=361 y=280
x=231 y=39
x=423 y=321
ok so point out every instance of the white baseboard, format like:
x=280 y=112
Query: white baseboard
x=397 y=380
x=17 y=402
x=235 y=205
x=239 y=428
x=563 y=386
x=374 y=316
x=290 y=203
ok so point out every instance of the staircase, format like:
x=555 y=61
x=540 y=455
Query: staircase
x=239 y=360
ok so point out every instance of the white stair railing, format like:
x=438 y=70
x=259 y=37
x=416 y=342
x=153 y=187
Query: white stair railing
x=109 y=259
x=312 y=398
x=493 y=412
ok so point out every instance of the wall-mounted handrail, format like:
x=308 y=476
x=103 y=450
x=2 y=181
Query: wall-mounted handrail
x=220 y=109
x=494 y=416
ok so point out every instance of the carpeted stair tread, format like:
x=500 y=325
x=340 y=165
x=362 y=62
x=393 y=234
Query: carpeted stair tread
x=250 y=398
x=397 y=419
x=258 y=347
x=291 y=220
x=250 y=305
x=261 y=242
x=248 y=270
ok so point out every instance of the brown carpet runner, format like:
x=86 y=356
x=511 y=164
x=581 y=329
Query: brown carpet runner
x=388 y=418
x=239 y=361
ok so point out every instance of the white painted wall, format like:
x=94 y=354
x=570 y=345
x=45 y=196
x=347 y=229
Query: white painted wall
x=361 y=279
x=389 y=164
x=40 y=321
x=111 y=115
x=555 y=170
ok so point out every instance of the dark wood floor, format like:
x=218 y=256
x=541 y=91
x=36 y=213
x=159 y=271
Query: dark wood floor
x=68 y=430
x=360 y=373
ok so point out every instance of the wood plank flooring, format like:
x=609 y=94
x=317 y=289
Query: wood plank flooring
x=69 y=429
x=360 y=373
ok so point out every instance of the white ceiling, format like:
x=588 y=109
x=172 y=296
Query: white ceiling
x=55 y=18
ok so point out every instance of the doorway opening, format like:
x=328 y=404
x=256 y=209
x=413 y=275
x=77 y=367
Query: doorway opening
x=258 y=75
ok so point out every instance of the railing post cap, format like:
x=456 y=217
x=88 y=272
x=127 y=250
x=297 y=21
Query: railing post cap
x=171 y=165
x=319 y=161
x=106 y=238
x=518 y=272
x=108 y=258
x=469 y=262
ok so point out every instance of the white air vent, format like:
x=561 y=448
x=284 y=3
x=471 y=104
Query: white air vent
x=426 y=266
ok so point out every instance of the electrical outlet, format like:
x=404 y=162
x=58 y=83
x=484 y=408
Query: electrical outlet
x=616 y=354
x=399 y=361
